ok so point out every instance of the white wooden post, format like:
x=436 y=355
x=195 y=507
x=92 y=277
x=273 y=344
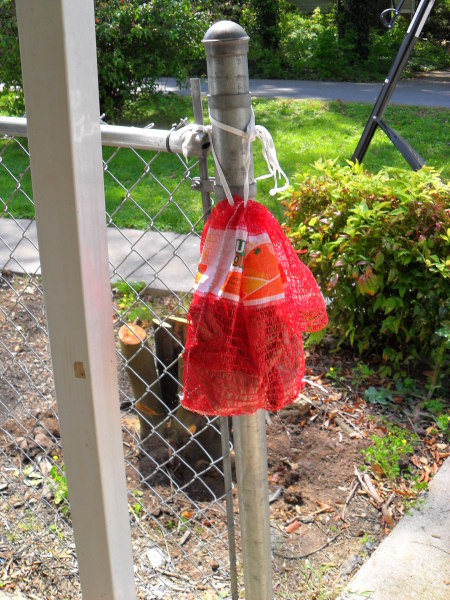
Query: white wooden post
x=57 y=42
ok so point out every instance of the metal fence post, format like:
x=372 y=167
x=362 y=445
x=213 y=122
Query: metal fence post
x=57 y=41
x=226 y=46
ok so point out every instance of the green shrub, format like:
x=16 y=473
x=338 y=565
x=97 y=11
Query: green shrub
x=137 y=43
x=379 y=246
x=312 y=49
x=390 y=451
x=310 y=45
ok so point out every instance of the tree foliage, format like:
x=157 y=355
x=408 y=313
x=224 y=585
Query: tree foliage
x=137 y=42
x=10 y=71
x=267 y=20
x=379 y=248
x=353 y=25
x=438 y=23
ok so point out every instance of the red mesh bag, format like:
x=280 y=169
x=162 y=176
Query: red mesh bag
x=253 y=300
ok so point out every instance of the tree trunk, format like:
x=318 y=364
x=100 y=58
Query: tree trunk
x=157 y=390
x=143 y=377
x=198 y=442
x=188 y=432
x=167 y=350
x=353 y=25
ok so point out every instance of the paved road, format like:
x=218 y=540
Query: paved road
x=426 y=90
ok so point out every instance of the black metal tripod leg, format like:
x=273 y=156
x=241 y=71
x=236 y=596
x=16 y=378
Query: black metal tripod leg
x=414 y=30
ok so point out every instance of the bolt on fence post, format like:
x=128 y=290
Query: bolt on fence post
x=226 y=46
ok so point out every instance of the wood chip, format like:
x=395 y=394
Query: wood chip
x=186 y=535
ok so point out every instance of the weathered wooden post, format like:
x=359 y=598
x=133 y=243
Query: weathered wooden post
x=140 y=366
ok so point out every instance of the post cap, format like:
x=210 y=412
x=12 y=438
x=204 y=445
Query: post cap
x=226 y=37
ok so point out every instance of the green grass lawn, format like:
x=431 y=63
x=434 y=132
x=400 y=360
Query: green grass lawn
x=303 y=131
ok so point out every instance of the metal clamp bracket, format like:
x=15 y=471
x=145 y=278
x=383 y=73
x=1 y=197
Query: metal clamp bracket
x=202 y=185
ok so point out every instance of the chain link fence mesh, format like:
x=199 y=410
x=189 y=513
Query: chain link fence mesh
x=173 y=458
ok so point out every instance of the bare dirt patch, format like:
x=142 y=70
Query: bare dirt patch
x=325 y=522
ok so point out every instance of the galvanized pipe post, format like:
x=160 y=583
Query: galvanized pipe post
x=229 y=101
x=226 y=46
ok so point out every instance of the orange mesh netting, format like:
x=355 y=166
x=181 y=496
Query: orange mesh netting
x=253 y=300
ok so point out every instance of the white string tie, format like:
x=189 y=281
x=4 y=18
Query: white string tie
x=270 y=156
x=251 y=132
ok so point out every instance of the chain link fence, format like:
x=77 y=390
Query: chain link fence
x=174 y=464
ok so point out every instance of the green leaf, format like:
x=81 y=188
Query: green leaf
x=377 y=396
x=391 y=304
x=379 y=259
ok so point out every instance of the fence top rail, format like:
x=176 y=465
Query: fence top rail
x=187 y=140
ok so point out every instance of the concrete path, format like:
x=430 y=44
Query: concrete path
x=413 y=562
x=431 y=89
x=165 y=261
